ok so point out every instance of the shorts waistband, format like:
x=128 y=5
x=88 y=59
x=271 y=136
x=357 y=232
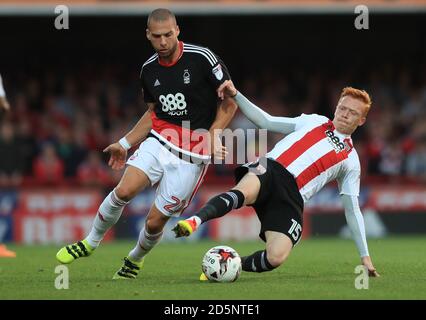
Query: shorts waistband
x=177 y=153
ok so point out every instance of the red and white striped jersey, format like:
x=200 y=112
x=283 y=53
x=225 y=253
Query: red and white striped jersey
x=315 y=153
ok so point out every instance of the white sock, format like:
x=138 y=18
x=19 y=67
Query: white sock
x=145 y=243
x=108 y=214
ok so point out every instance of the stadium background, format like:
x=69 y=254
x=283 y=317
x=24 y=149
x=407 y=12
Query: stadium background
x=72 y=92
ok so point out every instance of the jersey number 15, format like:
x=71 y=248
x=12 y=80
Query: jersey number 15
x=295 y=230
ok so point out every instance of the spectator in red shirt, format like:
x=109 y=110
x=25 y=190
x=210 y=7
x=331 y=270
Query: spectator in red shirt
x=48 y=168
x=93 y=172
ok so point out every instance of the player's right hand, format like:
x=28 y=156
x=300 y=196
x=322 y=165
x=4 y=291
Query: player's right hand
x=118 y=157
x=219 y=151
x=226 y=89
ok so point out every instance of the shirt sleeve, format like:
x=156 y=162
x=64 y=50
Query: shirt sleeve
x=263 y=119
x=217 y=72
x=355 y=223
x=147 y=95
x=349 y=182
x=306 y=119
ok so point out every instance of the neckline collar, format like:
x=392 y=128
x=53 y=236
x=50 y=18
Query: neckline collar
x=165 y=64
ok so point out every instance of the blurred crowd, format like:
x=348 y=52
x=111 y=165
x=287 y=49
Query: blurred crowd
x=61 y=120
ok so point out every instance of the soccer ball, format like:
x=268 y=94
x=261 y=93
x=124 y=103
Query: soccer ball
x=221 y=264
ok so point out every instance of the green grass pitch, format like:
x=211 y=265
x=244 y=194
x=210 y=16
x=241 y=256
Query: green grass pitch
x=318 y=268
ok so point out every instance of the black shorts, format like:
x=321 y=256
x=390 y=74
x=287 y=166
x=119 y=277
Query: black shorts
x=279 y=204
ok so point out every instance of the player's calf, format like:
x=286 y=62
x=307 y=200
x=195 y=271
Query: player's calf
x=257 y=262
x=216 y=207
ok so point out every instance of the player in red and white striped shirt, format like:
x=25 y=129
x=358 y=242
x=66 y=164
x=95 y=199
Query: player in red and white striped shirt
x=314 y=151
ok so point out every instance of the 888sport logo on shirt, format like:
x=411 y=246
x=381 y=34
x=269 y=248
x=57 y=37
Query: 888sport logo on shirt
x=173 y=104
x=335 y=141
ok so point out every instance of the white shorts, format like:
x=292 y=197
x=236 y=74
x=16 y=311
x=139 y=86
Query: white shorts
x=178 y=179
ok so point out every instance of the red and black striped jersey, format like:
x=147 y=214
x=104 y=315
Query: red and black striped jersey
x=184 y=92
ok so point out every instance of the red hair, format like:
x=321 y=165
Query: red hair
x=358 y=94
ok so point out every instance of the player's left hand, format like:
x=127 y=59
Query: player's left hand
x=372 y=272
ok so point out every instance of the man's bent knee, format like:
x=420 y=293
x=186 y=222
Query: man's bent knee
x=276 y=259
x=249 y=186
x=155 y=221
x=132 y=182
x=278 y=247
x=125 y=193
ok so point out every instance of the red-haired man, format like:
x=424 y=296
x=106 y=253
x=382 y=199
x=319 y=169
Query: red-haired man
x=314 y=151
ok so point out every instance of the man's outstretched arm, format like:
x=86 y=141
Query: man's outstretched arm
x=355 y=222
x=255 y=114
x=118 y=150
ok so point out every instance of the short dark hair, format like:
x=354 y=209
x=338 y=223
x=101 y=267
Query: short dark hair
x=161 y=14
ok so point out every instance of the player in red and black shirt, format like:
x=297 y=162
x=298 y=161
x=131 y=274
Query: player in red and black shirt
x=183 y=96
x=179 y=83
x=178 y=135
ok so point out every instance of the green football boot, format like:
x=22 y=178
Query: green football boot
x=129 y=269
x=203 y=277
x=74 y=251
x=185 y=228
